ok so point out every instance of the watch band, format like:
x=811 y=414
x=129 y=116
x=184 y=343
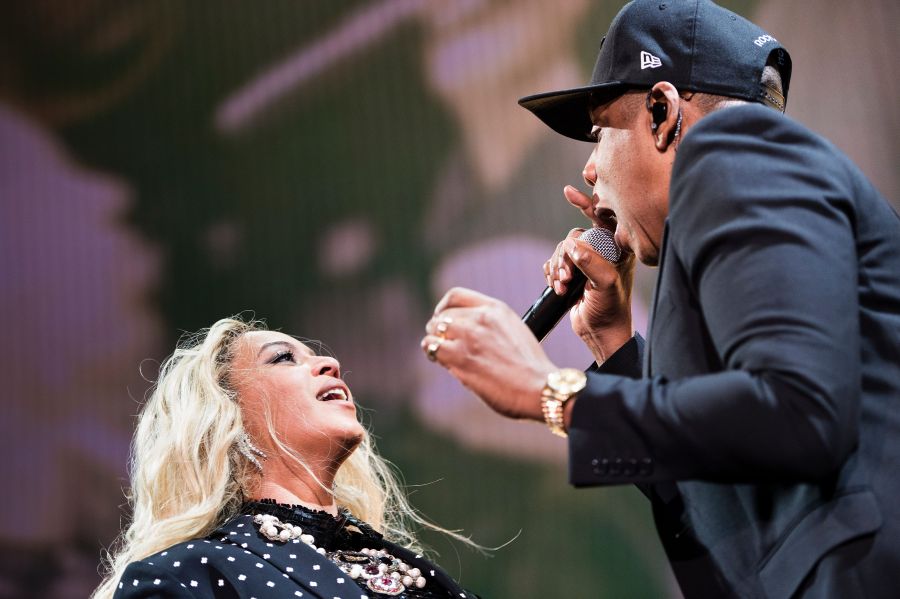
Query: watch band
x=560 y=387
x=552 y=406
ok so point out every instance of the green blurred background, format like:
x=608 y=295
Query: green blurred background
x=331 y=167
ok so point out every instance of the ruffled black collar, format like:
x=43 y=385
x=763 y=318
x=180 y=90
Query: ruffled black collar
x=331 y=532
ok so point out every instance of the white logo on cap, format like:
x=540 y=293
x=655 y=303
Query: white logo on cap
x=648 y=61
x=763 y=39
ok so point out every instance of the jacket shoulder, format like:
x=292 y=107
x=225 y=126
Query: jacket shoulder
x=202 y=567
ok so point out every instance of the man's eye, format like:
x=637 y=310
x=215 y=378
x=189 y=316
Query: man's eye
x=283 y=356
x=596 y=134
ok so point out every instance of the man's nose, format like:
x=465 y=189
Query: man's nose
x=589 y=174
x=327 y=366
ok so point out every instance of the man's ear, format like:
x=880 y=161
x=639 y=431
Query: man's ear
x=663 y=112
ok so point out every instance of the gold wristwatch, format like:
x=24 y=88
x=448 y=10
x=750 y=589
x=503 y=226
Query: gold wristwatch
x=560 y=387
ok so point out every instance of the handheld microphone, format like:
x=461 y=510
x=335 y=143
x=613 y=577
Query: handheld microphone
x=549 y=309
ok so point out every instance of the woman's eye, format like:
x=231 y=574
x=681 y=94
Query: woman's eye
x=283 y=356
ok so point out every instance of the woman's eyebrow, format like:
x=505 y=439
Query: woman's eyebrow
x=288 y=344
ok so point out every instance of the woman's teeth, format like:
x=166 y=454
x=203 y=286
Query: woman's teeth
x=333 y=394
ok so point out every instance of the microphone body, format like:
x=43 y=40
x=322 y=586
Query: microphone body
x=549 y=308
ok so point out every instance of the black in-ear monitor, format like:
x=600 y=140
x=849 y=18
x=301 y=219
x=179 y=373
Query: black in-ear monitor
x=659 y=114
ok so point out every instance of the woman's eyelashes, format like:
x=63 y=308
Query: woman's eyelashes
x=285 y=355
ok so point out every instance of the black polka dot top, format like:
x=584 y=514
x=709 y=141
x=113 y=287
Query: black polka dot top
x=276 y=550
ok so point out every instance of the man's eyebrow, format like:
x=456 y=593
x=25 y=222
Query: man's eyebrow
x=284 y=343
x=597 y=117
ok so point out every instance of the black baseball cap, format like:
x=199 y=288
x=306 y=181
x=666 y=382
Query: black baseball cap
x=696 y=45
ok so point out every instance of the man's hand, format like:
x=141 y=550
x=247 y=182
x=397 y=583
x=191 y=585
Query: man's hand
x=485 y=345
x=602 y=317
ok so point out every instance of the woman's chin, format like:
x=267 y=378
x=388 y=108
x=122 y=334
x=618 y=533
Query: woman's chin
x=350 y=437
x=355 y=437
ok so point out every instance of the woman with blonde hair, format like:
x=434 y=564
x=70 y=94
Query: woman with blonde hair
x=252 y=477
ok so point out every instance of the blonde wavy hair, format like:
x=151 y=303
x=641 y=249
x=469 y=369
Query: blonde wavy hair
x=188 y=476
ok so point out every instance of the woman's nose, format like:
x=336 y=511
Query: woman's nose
x=327 y=366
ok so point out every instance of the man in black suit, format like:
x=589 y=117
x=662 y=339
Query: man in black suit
x=764 y=426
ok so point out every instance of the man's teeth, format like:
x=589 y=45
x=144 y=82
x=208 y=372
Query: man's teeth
x=333 y=394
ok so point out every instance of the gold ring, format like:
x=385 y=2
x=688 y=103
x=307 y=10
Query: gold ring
x=432 y=349
x=442 y=326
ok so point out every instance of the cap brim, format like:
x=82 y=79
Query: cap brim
x=568 y=111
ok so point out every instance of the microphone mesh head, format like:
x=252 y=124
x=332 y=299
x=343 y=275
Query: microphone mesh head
x=603 y=241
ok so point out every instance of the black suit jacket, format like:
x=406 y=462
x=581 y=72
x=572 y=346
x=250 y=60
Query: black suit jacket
x=766 y=427
x=235 y=562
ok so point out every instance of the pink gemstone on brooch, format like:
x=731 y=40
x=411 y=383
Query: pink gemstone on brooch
x=371 y=569
x=385 y=585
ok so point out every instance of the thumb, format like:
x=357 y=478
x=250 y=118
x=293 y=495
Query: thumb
x=597 y=269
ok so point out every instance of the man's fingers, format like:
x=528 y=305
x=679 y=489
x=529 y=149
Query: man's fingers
x=439 y=349
x=557 y=261
x=558 y=270
x=580 y=200
x=561 y=267
x=599 y=271
x=548 y=270
x=460 y=297
x=565 y=265
x=576 y=197
x=444 y=323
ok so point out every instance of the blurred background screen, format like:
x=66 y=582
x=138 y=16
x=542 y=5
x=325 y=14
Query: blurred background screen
x=330 y=167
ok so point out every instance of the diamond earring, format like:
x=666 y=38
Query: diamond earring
x=247 y=449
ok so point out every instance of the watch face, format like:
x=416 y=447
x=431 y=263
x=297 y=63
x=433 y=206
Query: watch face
x=567 y=381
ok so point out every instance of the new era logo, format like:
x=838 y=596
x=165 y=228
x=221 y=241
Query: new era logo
x=648 y=61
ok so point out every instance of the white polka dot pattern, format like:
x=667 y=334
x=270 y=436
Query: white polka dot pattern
x=249 y=570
